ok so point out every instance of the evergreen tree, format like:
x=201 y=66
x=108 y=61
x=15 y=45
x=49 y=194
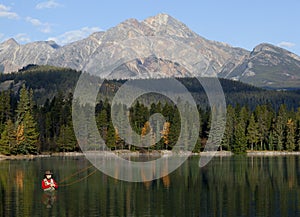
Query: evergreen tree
x=279 y=128
x=252 y=132
x=102 y=123
x=240 y=139
x=31 y=133
x=66 y=140
x=290 y=135
x=175 y=127
x=8 y=139
x=138 y=117
x=121 y=129
x=271 y=141
x=111 y=136
x=264 y=124
x=297 y=129
x=27 y=134
x=228 y=137
x=23 y=105
x=5 y=109
x=198 y=143
x=158 y=135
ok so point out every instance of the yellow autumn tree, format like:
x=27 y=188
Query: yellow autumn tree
x=165 y=133
x=118 y=139
x=20 y=134
x=145 y=131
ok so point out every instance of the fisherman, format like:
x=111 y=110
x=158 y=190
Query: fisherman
x=48 y=183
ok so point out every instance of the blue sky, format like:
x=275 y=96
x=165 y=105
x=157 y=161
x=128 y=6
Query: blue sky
x=236 y=22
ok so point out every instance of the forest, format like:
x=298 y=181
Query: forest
x=257 y=119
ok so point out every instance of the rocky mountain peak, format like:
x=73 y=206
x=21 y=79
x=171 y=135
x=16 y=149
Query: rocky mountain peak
x=163 y=24
x=158 y=20
x=10 y=42
x=266 y=47
x=130 y=22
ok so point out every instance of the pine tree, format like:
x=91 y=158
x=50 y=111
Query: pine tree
x=56 y=118
x=228 y=137
x=102 y=123
x=264 y=123
x=175 y=127
x=252 y=132
x=23 y=105
x=27 y=135
x=5 y=109
x=121 y=128
x=111 y=136
x=66 y=140
x=290 y=135
x=279 y=128
x=8 y=139
x=31 y=134
x=297 y=130
x=158 y=135
x=271 y=141
x=240 y=139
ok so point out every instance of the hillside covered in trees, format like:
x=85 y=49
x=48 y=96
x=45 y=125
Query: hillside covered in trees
x=36 y=107
x=48 y=81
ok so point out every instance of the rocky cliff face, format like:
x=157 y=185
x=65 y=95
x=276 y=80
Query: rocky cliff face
x=137 y=49
x=14 y=56
x=85 y=54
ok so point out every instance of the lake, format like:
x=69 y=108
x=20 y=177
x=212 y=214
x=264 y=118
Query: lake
x=227 y=186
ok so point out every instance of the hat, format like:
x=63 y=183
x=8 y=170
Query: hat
x=48 y=172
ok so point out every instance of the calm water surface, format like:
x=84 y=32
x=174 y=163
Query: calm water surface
x=228 y=186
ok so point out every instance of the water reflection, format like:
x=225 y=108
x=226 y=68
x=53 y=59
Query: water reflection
x=137 y=169
x=49 y=198
x=228 y=186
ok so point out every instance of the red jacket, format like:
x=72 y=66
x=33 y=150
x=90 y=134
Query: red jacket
x=46 y=184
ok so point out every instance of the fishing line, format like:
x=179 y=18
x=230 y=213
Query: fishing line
x=76 y=173
x=79 y=180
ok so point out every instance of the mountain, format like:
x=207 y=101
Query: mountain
x=85 y=54
x=153 y=48
x=14 y=56
x=267 y=66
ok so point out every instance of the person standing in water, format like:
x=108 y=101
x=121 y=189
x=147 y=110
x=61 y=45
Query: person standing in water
x=48 y=183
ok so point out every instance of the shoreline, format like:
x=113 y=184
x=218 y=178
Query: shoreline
x=163 y=153
x=272 y=153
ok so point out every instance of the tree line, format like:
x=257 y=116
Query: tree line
x=47 y=81
x=28 y=128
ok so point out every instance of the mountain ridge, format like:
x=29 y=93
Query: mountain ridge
x=213 y=57
x=267 y=66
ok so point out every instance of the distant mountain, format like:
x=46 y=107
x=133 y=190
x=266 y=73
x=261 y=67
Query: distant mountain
x=266 y=66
